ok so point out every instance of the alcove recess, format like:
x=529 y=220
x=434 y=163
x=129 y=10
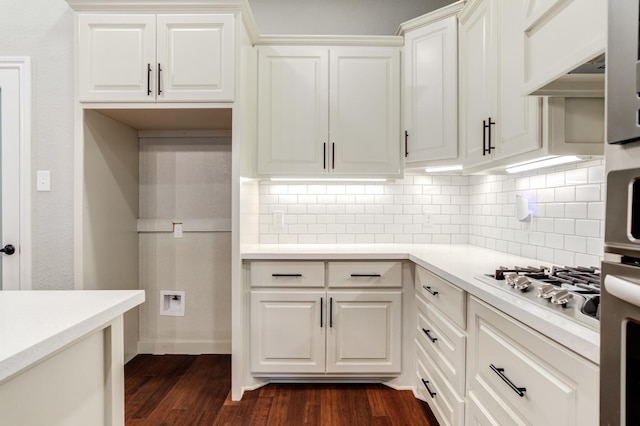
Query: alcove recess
x=144 y=171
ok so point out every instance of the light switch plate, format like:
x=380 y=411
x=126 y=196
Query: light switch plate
x=43 y=180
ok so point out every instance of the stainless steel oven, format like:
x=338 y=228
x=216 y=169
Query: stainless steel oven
x=620 y=302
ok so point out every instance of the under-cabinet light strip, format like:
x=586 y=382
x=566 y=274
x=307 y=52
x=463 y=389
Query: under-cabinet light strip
x=325 y=180
x=541 y=163
x=451 y=168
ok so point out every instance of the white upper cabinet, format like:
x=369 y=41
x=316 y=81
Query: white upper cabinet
x=155 y=58
x=293 y=105
x=497 y=119
x=329 y=111
x=364 y=111
x=430 y=105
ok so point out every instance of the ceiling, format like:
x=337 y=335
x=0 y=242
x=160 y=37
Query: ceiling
x=338 y=17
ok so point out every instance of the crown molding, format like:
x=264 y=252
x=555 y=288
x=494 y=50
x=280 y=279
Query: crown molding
x=324 y=40
x=158 y=6
x=452 y=9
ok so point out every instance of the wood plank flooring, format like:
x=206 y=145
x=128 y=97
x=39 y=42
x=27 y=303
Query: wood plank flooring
x=194 y=390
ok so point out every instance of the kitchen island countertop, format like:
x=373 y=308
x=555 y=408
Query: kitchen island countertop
x=459 y=264
x=36 y=324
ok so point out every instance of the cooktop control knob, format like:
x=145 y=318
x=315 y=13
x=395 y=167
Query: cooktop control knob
x=561 y=297
x=546 y=290
x=521 y=283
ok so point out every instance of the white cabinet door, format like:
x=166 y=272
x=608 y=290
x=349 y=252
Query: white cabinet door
x=477 y=84
x=518 y=116
x=195 y=54
x=498 y=120
x=364 y=334
x=288 y=331
x=116 y=57
x=293 y=126
x=430 y=111
x=365 y=111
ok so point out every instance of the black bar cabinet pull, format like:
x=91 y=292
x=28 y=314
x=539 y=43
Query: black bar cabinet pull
x=148 y=79
x=433 y=339
x=321 y=300
x=159 y=79
x=333 y=155
x=366 y=275
x=286 y=275
x=324 y=155
x=426 y=385
x=484 y=137
x=491 y=123
x=500 y=372
x=406 y=143
x=331 y=312
x=426 y=287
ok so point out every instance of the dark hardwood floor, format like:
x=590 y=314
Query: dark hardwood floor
x=194 y=390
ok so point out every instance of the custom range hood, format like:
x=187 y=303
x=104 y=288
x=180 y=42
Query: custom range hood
x=586 y=80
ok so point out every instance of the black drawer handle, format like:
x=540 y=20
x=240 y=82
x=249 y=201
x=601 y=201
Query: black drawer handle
x=321 y=306
x=366 y=275
x=331 y=312
x=286 y=275
x=433 y=339
x=426 y=385
x=433 y=293
x=500 y=372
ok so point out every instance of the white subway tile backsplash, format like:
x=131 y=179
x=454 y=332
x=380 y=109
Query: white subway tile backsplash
x=588 y=193
x=576 y=177
x=588 y=228
x=576 y=210
x=565 y=194
x=567 y=205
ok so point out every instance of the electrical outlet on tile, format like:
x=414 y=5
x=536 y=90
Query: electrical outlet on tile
x=278 y=218
x=428 y=219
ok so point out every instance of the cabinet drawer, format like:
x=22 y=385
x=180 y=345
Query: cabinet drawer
x=444 y=343
x=365 y=274
x=446 y=405
x=524 y=374
x=287 y=274
x=448 y=298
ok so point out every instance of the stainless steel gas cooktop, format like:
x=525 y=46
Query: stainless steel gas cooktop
x=571 y=292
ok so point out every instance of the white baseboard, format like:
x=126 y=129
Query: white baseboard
x=162 y=347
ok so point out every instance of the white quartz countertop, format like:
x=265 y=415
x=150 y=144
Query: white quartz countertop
x=36 y=324
x=458 y=264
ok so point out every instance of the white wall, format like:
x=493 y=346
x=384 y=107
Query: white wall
x=43 y=30
x=340 y=17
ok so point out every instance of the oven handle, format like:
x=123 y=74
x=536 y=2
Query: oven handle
x=623 y=289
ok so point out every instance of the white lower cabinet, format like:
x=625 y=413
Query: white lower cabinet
x=517 y=376
x=286 y=331
x=440 y=342
x=445 y=403
x=312 y=331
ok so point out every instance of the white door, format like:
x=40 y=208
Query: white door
x=14 y=84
